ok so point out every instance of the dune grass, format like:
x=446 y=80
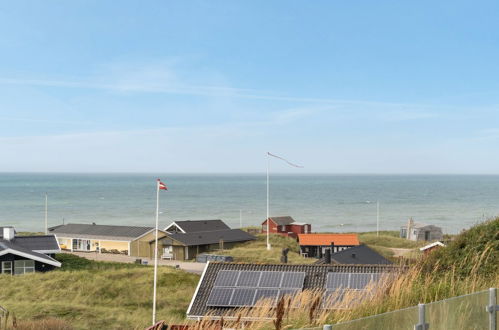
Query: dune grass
x=256 y=251
x=104 y=295
x=389 y=239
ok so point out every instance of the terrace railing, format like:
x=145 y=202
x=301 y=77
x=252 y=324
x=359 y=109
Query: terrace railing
x=476 y=311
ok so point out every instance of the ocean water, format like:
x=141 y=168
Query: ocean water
x=339 y=203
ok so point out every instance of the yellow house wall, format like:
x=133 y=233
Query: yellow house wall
x=65 y=243
x=113 y=245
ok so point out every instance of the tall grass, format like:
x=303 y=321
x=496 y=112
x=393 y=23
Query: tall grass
x=96 y=299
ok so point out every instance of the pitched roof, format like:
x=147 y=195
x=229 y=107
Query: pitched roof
x=7 y=247
x=357 y=255
x=326 y=239
x=100 y=231
x=315 y=278
x=45 y=243
x=192 y=226
x=429 y=246
x=212 y=237
x=282 y=221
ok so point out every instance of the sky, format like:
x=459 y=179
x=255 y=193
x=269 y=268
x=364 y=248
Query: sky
x=211 y=86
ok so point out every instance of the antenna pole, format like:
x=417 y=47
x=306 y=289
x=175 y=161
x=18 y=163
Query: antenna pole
x=377 y=218
x=240 y=218
x=268 y=204
x=46 y=214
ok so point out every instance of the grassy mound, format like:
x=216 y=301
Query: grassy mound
x=96 y=295
x=256 y=251
x=474 y=252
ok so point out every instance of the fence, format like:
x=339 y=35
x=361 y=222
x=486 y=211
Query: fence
x=476 y=311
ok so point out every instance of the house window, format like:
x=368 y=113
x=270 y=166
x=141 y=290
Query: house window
x=81 y=244
x=7 y=267
x=24 y=266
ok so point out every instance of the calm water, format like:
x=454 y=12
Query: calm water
x=329 y=202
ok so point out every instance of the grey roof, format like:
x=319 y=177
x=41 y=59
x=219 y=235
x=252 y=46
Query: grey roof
x=4 y=245
x=420 y=225
x=37 y=243
x=212 y=237
x=364 y=255
x=315 y=278
x=192 y=226
x=78 y=230
x=282 y=221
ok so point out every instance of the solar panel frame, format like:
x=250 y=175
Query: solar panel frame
x=336 y=280
x=270 y=279
x=293 y=280
x=266 y=294
x=226 y=278
x=359 y=281
x=242 y=297
x=220 y=297
x=248 y=279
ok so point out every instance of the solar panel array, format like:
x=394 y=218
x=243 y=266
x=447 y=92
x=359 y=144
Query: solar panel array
x=239 y=289
x=354 y=286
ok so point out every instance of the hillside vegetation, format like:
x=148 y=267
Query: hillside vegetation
x=256 y=251
x=97 y=295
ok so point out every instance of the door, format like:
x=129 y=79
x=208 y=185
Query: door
x=427 y=235
x=7 y=267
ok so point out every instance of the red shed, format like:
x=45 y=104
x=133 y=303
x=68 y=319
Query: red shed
x=286 y=226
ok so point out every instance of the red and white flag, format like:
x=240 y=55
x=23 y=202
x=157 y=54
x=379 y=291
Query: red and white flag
x=161 y=185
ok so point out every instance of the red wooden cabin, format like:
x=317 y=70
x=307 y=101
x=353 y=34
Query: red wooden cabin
x=286 y=226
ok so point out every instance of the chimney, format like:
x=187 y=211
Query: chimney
x=8 y=233
x=332 y=247
x=353 y=255
x=327 y=256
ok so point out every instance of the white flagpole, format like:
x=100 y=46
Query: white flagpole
x=241 y=219
x=155 y=255
x=46 y=214
x=377 y=218
x=268 y=204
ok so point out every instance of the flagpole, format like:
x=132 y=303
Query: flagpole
x=46 y=214
x=377 y=218
x=268 y=204
x=155 y=255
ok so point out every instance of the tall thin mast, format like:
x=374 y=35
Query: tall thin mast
x=377 y=218
x=155 y=255
x=240 y=218
x=268 y=205
x=46 y=214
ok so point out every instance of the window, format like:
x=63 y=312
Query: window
x=24 y=266
x=7 y=267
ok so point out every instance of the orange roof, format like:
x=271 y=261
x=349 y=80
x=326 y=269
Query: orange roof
x=326 y=239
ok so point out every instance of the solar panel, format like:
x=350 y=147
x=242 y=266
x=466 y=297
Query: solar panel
x=248 y=279
x=267 y=294
x=270 y=280
x=337 y=280
x=359 y=280
x=219 y=297
x=242 y=297
x=293 y=280
x=226 y=278
x=288 y=293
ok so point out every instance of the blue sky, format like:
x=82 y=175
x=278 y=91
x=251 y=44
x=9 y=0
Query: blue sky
x=210 y=86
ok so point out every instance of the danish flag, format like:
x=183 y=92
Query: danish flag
x=161 y=185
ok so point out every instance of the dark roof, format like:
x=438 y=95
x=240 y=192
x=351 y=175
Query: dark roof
x=282 y=221
x=315 y=278
x=212 y=237
x=5 y=245
x=192 y=226
x=364 y=255
x=37 y=243
x=99 y=231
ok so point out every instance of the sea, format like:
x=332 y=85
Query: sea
x=331 y=203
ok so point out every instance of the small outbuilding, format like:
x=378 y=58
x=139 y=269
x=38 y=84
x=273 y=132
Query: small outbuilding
x=286 y=226
x=416 y=231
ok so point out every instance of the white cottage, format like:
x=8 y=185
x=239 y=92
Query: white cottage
x=416 y=231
